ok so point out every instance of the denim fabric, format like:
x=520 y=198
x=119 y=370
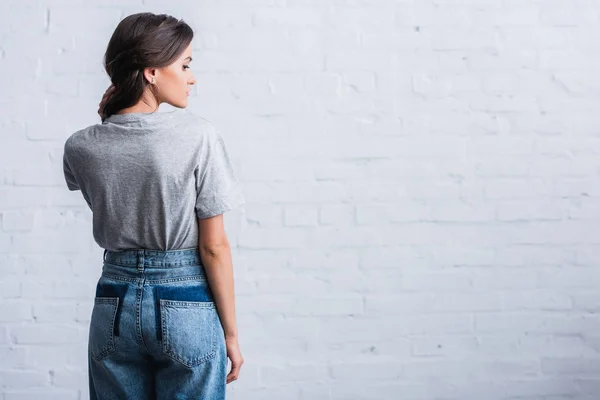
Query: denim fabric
x=154 y=330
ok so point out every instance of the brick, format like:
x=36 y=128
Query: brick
x=423 y=179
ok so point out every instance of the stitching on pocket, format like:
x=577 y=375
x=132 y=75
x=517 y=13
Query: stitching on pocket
x=107 y=340
x=200 y=293
x=167 y=344
x=112 y=290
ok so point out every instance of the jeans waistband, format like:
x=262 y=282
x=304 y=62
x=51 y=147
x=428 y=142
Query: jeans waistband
x=155 y=263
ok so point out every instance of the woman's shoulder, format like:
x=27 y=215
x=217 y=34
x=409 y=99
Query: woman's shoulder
x=198 y=121
x=76 y=138
x=198 y=126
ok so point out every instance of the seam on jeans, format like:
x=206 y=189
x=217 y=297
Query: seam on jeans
x=110 y=347
x=198 y=277
x=193 y=362
x=157 y=313
x=108 y=291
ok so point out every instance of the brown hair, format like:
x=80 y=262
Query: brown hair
x=139 y=41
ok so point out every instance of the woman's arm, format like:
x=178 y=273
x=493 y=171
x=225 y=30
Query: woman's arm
x=215 y=252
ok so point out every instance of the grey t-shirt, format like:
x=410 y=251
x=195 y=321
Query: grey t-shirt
x=147 y=177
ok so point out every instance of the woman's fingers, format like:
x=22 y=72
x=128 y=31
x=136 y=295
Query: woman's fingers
x=236 y=364
x=235 y=355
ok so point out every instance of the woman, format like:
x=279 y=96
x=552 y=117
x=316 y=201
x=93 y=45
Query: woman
x=163 y=321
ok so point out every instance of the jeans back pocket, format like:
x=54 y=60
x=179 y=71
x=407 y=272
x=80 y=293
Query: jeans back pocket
x=188 y=330
x=102 y=326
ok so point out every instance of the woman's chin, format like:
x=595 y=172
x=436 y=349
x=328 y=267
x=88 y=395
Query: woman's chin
x=180 y=104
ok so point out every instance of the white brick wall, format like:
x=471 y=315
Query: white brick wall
x=423 y=185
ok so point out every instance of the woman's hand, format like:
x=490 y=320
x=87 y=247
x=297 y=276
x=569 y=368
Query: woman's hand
x=102 y=103
x=234 y=354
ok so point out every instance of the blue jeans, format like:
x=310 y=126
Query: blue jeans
x=154 y=330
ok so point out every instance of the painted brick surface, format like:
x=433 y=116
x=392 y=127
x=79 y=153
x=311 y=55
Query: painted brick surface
x=423 y=186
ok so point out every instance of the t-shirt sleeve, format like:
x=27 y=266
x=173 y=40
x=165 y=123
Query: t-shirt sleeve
x=68 y=173
x=217 y=187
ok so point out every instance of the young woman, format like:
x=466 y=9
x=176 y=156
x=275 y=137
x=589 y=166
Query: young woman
x=163 y=321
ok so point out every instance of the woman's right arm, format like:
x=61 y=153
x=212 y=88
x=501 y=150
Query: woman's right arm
x=215 y=252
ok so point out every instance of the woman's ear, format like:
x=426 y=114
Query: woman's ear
x=150 y=75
